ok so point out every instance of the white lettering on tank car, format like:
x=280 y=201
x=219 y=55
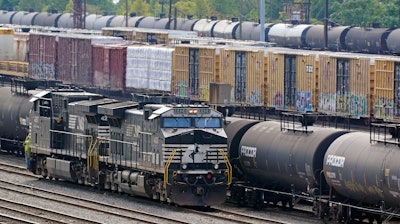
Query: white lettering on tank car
x=248 y=151
x=337 y=161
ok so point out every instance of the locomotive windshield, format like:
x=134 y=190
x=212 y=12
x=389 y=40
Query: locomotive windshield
x=176 y=122
x=207 y=122
x=187 y=122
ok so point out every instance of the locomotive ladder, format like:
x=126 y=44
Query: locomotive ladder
x=228 y=165
x=93 y=158
x=166 y=168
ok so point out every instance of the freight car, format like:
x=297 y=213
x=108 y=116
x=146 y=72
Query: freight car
x=14 y=125
x=172 y=153
x=347 y=175
x=371 y=40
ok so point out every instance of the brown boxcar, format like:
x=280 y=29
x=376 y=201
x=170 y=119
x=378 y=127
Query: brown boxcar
x=109 y=66
x=292 y=80
x=42 y=56
x=75 y=57
x=344 y=84
x=387 y=89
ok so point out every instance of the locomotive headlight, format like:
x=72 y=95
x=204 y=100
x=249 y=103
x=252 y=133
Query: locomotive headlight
x=184 y=166
x=193 y=111
x=216 y=166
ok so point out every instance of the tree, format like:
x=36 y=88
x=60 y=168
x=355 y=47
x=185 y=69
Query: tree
x=25 y=5
x=202 y=8
x=357 y=12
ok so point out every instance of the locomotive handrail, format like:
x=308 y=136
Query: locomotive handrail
x=228 y=165
x=93 y=160
x=89 y=152
x=166 y=168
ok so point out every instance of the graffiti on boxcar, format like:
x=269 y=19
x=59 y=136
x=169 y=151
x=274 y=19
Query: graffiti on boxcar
x=278 y=101
x=255 y=97
x=204 y=92
x=384 y=109
x=41 y=70
x=327 y=102
x=303 y=101
x=352 y=105
x=358 y=106
x=181 y=89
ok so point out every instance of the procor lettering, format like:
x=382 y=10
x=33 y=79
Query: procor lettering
x=248 y=151
x=337 y=161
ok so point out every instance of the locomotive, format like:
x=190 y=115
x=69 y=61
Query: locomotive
x=172 y=153
x=346 y=175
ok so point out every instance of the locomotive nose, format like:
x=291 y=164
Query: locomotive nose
x=200 y=191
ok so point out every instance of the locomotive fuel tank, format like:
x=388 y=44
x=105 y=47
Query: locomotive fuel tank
x=14 y=113
x=363 y=171
x=288 y=160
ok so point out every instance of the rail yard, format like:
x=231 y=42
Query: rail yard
x=144 y=112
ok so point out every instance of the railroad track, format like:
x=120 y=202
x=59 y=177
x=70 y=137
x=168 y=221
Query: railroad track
x=86 y=204
x=39 y=215
x=218 y=215
x=236 y=217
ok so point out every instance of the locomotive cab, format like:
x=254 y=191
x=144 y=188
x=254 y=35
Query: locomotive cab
x=194 y=151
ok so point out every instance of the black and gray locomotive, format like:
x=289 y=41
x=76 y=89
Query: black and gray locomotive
x=172 y=153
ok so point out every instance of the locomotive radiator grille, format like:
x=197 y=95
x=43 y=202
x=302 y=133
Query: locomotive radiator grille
x=212 y=154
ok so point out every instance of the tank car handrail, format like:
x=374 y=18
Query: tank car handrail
x=166 y=169
x=228 y=165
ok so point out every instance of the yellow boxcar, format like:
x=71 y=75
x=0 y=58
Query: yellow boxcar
x=387 y=89
x=243 y=68
x=292 y=80
x=344 y=84
x=193 y=71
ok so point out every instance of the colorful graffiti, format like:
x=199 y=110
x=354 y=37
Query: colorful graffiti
x=42 y=70
x=304 y=101
x=181 y=89
x=255 y=97
x=204 y=92
x=327 y=103
x=352 y=105
x=278 y=102
x=384 y=109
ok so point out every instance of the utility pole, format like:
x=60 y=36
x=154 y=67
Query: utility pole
x=170 y=14
x=126 y=13
x=262 y=19
x=326 y=18
x=77 y=14
x=84 y=14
